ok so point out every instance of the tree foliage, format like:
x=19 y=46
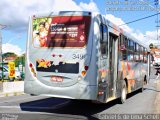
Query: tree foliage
x=20 y=60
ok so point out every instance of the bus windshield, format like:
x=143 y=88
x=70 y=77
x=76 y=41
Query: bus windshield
x=61 y=31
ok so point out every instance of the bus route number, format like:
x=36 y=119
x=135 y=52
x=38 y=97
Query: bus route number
x=78 y=56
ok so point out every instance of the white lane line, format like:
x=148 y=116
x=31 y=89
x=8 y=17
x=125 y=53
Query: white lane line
x=10 y=107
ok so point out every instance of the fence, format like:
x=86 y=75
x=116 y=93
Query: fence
x=10 y=73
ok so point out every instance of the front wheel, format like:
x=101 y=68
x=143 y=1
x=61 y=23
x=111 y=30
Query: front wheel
x=32 y=95
x=123 y=92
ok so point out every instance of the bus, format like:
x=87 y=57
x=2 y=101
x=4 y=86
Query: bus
x=82 y=55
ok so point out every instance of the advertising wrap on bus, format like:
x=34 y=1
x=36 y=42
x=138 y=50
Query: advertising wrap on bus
x=83 y=55
x=61 y=31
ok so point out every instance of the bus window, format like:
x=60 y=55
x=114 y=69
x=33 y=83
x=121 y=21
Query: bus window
x=119 y=47
x=104 y=40
x=122 y=47
x=61 y=31
x=126 y=42
x=141 y=54
x=145 y=55
x=129 y=44
x=137 y=52
x=124 y=52
x=130 y=50
x=135 y=47
x=105 y=34
x=121 y=39
x=132 y=45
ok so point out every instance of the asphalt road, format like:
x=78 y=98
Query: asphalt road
x=28 y=107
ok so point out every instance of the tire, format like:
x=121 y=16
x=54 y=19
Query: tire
x=123 y=92
x=32 y=94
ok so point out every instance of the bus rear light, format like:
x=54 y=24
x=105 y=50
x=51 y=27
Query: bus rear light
x=53 y=55
x=30 y=65
x=32 y=69
x=56 y=55
x=60 y=55
x=86 y=68
x=83 y=73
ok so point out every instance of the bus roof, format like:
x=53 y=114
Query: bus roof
x=50 y=14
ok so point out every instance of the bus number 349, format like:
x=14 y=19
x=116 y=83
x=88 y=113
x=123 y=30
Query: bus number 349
x=78 y=56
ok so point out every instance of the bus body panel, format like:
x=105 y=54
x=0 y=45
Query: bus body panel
x=105 y=71
x=71 y=81
x=77 y=91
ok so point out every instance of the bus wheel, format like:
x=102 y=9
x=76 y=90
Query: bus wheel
x=32 y=94
x=123 y=92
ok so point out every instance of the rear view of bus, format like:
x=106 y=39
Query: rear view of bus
x=58 y=55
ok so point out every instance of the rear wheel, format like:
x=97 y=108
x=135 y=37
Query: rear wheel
x=123 y=92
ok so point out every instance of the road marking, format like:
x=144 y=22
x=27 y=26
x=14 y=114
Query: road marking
x=10 y=107
x=21 y=99
x=33 y=107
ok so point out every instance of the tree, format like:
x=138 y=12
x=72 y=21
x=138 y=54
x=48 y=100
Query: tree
x=9 y=54
x=20 y=60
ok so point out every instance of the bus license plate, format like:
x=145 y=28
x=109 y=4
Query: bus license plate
x=56 y=79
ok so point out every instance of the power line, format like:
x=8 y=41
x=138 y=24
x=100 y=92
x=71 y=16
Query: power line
x=140 y=19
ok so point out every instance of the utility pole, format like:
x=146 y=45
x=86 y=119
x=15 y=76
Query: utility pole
x=157 y=21
x=1 y=53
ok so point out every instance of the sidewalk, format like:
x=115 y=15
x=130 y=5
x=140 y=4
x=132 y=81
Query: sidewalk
x=11 y=88
x=157 y=99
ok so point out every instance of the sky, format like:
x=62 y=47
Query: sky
x=15 y=15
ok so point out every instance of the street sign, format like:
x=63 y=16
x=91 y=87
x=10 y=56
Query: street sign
x=11 y=66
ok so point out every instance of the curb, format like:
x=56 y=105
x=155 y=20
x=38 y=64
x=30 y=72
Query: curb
x=11 y=94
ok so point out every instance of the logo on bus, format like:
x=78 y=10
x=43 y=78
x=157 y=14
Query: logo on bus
x=82 y=38
x=78 y=56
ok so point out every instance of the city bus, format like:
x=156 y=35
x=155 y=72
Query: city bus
x=84 y=56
